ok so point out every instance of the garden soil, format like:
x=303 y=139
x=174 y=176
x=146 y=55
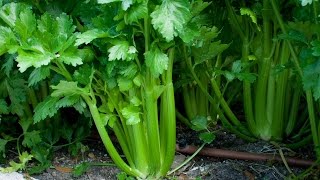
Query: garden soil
x=198 y=168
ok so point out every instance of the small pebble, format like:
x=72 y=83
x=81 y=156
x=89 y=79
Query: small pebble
x=91 y=155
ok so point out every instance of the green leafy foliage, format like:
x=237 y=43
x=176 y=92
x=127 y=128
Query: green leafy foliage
x=251 y=14
x=47 y=108
x=8 y=42
x=124 y=84
x=124 y=176
x=17 y=92
x=31 y=138
x=83 y=74
x=43 y=155
x=4 y=109
x=37 y=60
x=38 y=75
x=311 y=78
x=237 y=72
x=305 y=2
x=25 y=24
x=9 y=13
x=304 y=29
x=207 y=137
x=24 y=158
x=170 y=17
x=71 y=97
x=3 y=144
x=315 y=48
x=8 y=65
x=40 y=45
x=125 y=3
x=65 y=88
x=294 y=35
x=199 y=123
x=90 y=35
x=157 y=61
x=122 y=51
x=136 y=12
x=42 y=40
x=131 y=114
x=311 y=65
x=204 y=48
x=80 y=169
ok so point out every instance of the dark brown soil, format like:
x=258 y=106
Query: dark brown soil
x=200 y=167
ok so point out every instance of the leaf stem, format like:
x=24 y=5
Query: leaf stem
x=168 y=119
x=151 y=110
x=187 y=160
x=107 y=141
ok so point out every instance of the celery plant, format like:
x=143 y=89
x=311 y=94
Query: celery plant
x=271 y=104
x=203 y=64
x=307 y=61
x=22 y=93
x=206 y=56
x=119 y=66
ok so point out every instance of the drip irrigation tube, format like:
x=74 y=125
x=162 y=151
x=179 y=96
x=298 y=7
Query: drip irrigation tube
x=221 y=153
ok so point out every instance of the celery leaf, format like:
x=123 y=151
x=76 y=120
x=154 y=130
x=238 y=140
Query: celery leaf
x=305 y=2
x=90 y=35
x=207 y=137
x=311 y=78
x=189 y=33
x=157 y=61
x=28 y=59
x=65 y=88
x=251 y=14
x=71 y=56
x=46 y=108
x=122 y=51
x=38 y=75
x=170 y=18
x=82 y=75
x=135 y=101
x=24 y=158
x=53 y=38
x=16 y=88
x=294 y=35
x=237 y=72
x=136 y=12
x=10 y=12
x=8 y=65
x=25 y=24
x=131 y=114
x=31 y=139
x=125 y=3
x=124 y=84
x=129 y=71
x=315 y=48
x=8 y=41
x=4 y=109
x=311 y=69
x=199 y=123
x=68 y=101
x=107 y=1
x=80 y=106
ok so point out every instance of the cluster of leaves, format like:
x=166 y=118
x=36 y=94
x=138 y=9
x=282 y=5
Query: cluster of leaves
x=30 y=40
x=112 y=54
x=45 y=45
